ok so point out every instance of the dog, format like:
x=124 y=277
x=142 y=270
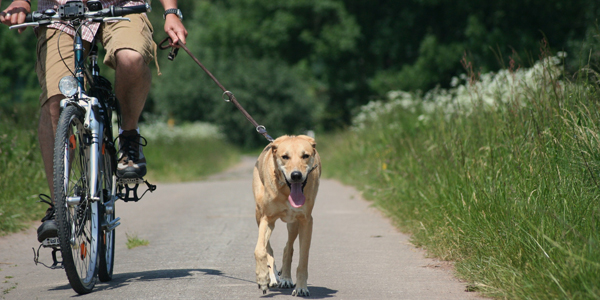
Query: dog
x=285 y=184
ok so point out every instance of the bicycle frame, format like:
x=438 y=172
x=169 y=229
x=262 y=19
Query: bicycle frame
x=94 y=118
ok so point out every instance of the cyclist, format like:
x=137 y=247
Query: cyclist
x=129 y=49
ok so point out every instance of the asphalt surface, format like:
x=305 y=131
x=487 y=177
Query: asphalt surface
x=201 y=246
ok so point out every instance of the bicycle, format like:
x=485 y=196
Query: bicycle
x=85 y=185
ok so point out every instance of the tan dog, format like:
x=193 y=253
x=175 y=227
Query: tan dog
x=285 y=184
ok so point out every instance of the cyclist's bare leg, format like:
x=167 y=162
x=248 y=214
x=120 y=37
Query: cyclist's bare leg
x=48 y=121
x=132 y=84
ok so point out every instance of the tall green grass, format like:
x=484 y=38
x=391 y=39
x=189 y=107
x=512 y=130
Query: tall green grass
x=22 y=175
x=508 y=188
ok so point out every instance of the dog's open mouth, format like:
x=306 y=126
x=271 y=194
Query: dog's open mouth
x=296 y=197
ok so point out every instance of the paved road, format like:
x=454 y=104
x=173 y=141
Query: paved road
x=202 y=237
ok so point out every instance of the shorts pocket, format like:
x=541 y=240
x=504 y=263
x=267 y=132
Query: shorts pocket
x=147 y=22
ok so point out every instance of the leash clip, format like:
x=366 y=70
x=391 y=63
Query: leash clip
x=229 y=94
x=261 y=129
x=173 y=53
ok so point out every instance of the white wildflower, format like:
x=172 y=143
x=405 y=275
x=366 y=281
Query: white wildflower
x=491 y=89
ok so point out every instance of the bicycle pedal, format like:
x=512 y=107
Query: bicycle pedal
x=130 y=193
x=128 y=181
x=51 y=242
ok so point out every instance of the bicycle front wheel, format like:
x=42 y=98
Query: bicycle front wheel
x=76 y=214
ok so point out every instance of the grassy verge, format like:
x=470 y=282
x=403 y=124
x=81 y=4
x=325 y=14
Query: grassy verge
x=185 y=153
x=180 y=153
x=22 y=175
x=501 y=175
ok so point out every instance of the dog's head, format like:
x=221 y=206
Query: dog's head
x=295 y=159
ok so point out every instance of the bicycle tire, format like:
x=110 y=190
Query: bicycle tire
x=77 y=222
x=107 y=209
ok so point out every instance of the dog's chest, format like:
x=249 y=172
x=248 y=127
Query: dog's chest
x=292 y=214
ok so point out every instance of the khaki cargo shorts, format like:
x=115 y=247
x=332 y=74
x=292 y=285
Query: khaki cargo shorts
x=50 y=67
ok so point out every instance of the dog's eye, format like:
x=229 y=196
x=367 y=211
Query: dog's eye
x=305 y=156
x=285 y=157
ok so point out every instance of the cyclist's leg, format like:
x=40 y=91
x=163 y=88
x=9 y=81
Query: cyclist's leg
x=49 y=114
x=130 y=48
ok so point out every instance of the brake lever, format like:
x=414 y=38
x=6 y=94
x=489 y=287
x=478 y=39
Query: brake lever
x=23 y=25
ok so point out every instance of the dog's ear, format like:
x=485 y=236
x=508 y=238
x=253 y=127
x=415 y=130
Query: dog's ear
x=309 y=140
x=276 y=142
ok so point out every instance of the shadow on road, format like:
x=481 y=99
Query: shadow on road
x=316 y=292
x=124 y=279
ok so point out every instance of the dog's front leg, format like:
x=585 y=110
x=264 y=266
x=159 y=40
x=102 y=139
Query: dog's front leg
x=305 y=233
x=285 y=280
x=271 y=264
x=260 y=253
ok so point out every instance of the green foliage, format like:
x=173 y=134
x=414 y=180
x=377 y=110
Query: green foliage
x=510 y=191
x=271 y=91
x=18 y=81
x=325 y=58
x=270 y=54
x=394 y=35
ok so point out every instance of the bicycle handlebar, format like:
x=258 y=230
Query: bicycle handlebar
x=108 y=14
x=121 y=11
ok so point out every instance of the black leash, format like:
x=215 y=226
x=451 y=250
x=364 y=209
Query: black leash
x=230 y=97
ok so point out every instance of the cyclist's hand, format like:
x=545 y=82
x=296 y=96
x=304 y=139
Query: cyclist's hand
x=15 y=13
x=175 y=29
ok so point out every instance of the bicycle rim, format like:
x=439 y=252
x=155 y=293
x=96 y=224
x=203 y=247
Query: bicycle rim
x=107 y=237
x=76 y=215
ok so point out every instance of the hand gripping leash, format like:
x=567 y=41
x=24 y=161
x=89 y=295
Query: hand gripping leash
x=227 y=95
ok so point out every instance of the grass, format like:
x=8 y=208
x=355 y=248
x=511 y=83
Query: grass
x=134 y=241
x=188 y=159
x=21 y=170
x=510 y=191
x=192 y=153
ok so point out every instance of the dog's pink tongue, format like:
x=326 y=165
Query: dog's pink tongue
x=296 y=197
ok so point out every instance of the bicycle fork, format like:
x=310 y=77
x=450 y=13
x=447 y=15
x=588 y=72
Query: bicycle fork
x=96 y=128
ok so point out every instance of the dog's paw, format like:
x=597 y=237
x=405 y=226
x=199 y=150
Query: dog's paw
x=264 y=288
x=286 y=283
x=301 y=292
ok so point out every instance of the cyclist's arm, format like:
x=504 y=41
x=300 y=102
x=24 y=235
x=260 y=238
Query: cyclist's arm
x=15 y=13
x=173 y=25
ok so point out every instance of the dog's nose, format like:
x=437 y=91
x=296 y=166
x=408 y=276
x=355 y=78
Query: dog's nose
x=296 y=176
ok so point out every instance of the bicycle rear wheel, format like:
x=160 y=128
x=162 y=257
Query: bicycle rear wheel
x=76 y=214
x=107 y=209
